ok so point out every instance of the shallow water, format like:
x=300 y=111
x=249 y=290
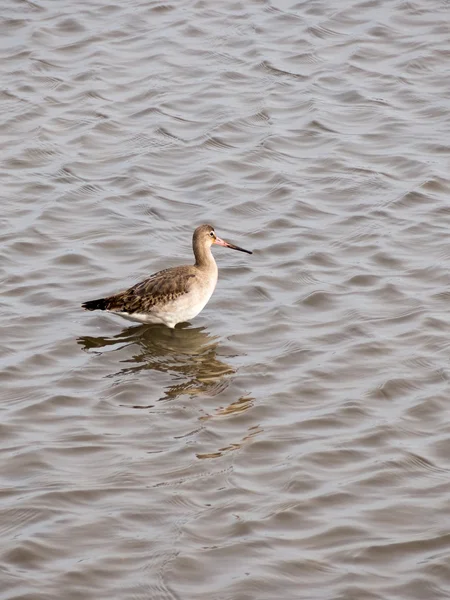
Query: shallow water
x=293 y=441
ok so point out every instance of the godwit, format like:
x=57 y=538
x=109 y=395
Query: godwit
x=173 y=295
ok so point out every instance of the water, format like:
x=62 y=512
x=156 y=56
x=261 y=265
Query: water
x=293 y=441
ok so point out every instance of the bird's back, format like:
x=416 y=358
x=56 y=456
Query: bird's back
x=170 y=296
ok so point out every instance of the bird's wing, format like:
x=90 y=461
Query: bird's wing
x=162 y=287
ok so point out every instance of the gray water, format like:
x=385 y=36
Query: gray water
x=293 y=441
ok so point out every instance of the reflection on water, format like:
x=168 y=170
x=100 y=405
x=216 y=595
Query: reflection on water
x=248 y=437
x=237 y=407
x=187 y=353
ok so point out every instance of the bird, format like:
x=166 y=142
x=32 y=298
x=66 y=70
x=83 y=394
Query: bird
x=173 y=295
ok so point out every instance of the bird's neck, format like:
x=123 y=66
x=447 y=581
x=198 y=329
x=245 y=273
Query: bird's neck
x=204 y=258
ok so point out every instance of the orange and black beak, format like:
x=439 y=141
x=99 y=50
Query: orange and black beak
x=221 y=242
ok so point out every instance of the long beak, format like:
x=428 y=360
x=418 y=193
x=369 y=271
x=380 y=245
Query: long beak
x=220 y=242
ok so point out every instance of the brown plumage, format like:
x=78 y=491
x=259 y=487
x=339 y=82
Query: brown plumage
x=173 y=295
x=157 y=289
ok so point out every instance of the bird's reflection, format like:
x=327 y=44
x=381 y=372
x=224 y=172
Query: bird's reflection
x=187 y=353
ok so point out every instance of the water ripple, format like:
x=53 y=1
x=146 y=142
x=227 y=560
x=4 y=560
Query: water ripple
x=293 y=440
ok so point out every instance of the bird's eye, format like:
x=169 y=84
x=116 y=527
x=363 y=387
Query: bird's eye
x=211 y=233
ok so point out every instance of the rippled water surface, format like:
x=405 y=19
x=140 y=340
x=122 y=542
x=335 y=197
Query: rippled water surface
x=293 y=441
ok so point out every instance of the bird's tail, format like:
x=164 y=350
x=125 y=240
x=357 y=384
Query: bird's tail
x=100 y=304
